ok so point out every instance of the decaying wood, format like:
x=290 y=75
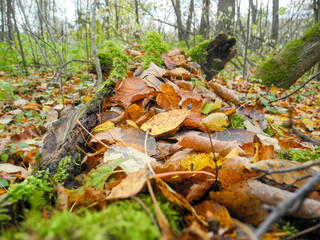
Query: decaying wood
x=220 y=51
x=66 y=138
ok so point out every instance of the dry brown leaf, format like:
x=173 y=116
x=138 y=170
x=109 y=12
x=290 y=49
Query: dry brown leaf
x=133 y=112
x=131 y=185
x=224 y=92
x=209 y=209
x=131 y=90
x=150 y=76
x=168 y=98
x=202 y=144
x=163 y=123
x=286 y=177
x=173 y=196
x=245 y=206
x=194 y=118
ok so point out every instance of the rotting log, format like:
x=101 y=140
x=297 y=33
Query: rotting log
x=66 y=138
x=220 y=50
x=297 y=57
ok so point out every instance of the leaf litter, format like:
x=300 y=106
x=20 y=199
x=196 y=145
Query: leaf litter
x=175 y=135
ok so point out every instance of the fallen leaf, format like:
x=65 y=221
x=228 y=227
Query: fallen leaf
x=136 y=161
x=151 y=74
x=216 y=121
x=202 y=144
x=131 y=185
x=168 y=98
x=163 y=123
x=131 y=90
x=224 y=92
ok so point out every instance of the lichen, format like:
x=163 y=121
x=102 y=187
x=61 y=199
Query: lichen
x=154 y=46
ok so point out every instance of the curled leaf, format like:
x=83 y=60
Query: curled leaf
x=224 y=92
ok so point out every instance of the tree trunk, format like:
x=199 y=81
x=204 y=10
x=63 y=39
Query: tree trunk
x=204 y=23
x=219 y=51
x=2 y=21
x=275 y=21
x=93 y=39
x=297 y=57
x=9 y=23
x=225 y=13
x=254 y=12
x=190 y=16
x=19 y=40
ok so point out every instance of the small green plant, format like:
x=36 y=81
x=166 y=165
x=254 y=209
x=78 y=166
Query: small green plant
x=62 y=170
x=6 y=92
x=154 y=46
x=236 y=120
x=287 y=227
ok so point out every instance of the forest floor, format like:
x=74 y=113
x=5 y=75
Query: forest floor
x=34 y=103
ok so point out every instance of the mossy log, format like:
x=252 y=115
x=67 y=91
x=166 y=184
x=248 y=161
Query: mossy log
x=66 y=138
x=297 y=57
x=220 y=50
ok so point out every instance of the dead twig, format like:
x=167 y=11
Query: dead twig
x=289 y=205
x=302 y=85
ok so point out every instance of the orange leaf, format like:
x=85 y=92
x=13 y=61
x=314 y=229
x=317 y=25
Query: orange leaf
x=168 y=98
x=131 y=90
x=202 y=144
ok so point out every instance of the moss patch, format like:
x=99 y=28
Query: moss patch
x=154 y=47
x=113 y=60
x=299 y=155
x=198 y=53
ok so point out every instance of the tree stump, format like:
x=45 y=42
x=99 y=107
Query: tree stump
x=220 y=50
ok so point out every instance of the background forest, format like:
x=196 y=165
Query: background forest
x=48 y=33
x=81 y=80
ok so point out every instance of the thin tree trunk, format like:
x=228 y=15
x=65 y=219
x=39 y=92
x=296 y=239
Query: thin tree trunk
x=136 y=5
x=246 y=46
x=9 y=23
x=19 y=39
x=204 y=24
x=181 y=33
x=275 y=21
x=93 y=40
x=190 y=16
x=36 y=39
x=2 y=21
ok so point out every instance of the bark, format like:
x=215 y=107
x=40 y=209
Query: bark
x=66 y=138
x=2 y=21
x=253 y=12
x=225 y=13
x=181 y=32
x=9 y=23
x=136 y=5
x=190 y=16
x=275 y=21
x=220 y=50
x=93 y=39
x=20 y=42
x=297 y=57
x=204 y=23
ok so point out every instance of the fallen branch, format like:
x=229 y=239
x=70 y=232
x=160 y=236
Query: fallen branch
x=289 y=205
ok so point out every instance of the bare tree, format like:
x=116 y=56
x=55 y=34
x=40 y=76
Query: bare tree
x=204 y=23
x=275 y=21
x=93 y=40
x=225 y=13
x=9 y=23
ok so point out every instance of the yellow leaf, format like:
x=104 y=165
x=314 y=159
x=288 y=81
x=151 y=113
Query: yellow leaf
x=216 y=121
x=274 y=89
x=309 y=123
x=86 y=98
x=199 y=161
x=163 y=123
x=103 y=127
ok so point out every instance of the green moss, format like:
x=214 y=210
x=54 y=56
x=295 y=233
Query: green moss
x=62 y=170
x=121 y=220
x=113 y=58
x=276 y=69
x=199 y=53
x=236 y=120
x=154 y=47
x=299 y=155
